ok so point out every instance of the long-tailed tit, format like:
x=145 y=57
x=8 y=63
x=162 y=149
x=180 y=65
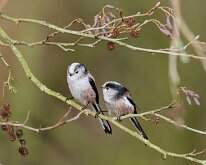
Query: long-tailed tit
x=82 y=86
x=119 y=102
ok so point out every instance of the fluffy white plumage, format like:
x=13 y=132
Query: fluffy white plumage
x=82 y=86
x=119 y=102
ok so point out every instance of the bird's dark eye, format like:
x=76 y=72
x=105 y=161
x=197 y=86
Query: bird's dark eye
x=77 y=72
x=107 y=88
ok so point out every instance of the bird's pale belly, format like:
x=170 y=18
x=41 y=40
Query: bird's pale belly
x=119 y=109
x=82 y=95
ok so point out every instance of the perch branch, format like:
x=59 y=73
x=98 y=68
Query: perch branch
x=155 y=113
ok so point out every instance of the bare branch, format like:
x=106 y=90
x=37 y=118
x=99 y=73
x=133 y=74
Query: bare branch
x=181 y=125
x=155 y=113
x=61 y=122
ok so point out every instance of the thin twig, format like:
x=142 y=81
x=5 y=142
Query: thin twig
x=61 y=122
x=180 y=125
x=3 y=94
x=187 y=33
x=9 y=70
x=27 y=118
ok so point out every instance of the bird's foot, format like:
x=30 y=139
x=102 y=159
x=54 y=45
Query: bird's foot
x=83 y=108
x=119 y=118
x=100 y=112
x=97 y=114
x=69 y=98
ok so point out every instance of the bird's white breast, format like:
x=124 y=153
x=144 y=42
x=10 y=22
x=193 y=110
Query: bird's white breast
x=81 y=90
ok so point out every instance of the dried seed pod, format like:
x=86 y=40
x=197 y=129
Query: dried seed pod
x=6 y=106
x=19 y=133
x=134 y=34
x=23 y=151
x=12 y=137
x=115 y=33
x=22 y=141
x=130 y=21
x=110 y=45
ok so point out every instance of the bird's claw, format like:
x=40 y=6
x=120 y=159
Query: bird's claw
x=69 y=98
x=97 y=114
x=83 y=108
x=119 y=118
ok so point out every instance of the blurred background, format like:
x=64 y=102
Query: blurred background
x=145 y=75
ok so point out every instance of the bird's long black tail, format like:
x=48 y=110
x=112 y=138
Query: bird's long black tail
x=104 y=123
x=138 y=127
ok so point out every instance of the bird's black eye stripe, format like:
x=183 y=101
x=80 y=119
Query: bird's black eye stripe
x=110 y=85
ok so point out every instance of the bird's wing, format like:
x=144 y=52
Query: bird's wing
x=92 y=83
x=133 y=103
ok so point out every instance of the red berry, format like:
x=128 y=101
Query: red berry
x=19 y=133
x=5 y=113
x=110 y=45
x=134 y=34
x=115 y=33
x=23 y=151
x=6 y=106
x=130 y=21
x=12 y=137
x=22 y=142
x=8 y=114
x=10 y=129
x=157 y=121
x=2 y=112
x=4 y=127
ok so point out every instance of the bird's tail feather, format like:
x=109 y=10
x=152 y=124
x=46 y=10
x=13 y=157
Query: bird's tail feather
x=138 y=127
x=104 y=123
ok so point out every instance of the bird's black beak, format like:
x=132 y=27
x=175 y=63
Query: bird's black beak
x=70 y=74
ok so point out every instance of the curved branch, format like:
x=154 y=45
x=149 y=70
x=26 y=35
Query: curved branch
x=72 y=103
x=61 y=122
x=142 y=115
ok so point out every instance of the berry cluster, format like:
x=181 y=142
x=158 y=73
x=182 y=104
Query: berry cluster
x=5 y=113
x=129 y=22
x=155 y=120
x=110 y=45
x=115 y=33
x=134 y=34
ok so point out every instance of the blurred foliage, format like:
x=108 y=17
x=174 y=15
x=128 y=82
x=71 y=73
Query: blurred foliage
x=83 y=141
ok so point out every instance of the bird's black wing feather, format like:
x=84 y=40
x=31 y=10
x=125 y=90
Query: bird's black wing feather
x=92 y=83
x=104 y=123
x=132 y=102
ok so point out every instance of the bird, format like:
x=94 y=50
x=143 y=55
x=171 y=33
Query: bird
x=119 y=102
x=83 y=89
